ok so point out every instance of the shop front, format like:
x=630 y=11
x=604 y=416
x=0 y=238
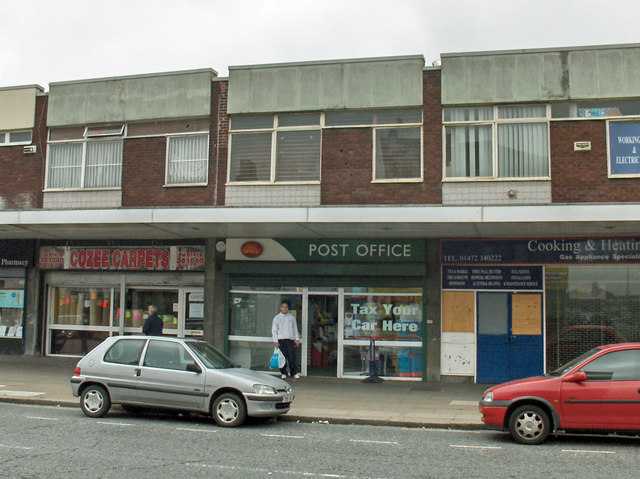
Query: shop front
x=96 y=292
x=343 y=294
x=517 y=308
x=15 y=259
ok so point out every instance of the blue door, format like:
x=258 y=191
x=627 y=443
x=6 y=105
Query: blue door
x=509 y=336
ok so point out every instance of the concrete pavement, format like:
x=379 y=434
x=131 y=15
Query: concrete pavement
x=45 y=380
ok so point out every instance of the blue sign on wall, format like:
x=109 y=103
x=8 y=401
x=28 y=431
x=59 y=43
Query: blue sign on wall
x=624 y=148
x=517 y=278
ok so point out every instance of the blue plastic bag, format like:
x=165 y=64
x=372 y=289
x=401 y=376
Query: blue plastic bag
x=277 y=359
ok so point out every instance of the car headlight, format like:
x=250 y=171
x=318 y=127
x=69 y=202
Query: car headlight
x=488 y=397
x=262 y=389
x=288 y=389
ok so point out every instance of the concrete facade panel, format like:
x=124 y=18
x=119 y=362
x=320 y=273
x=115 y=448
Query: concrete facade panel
x=165 y=96
x=327 y=85
x=17 y=108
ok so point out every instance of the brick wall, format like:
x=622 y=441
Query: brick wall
x=22 y=175
x=581 y=177
x=144 y=166
x=347 y=161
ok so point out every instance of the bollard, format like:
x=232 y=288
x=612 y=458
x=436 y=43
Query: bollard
x=373 y=364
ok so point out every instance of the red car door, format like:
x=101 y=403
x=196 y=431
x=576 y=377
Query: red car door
x=609 y=398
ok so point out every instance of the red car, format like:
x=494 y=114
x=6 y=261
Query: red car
x=598 y=391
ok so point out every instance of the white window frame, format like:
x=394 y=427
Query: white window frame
x=494 y=123
x=419 y=179
x=274 y=130
x=119 y=132
x=7 y=138
x=166 y=175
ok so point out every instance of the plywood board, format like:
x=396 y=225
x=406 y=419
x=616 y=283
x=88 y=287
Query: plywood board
x=526 y=314
x=458 y=312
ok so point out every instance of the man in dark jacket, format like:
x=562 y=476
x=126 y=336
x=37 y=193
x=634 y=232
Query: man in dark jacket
x=153 y=324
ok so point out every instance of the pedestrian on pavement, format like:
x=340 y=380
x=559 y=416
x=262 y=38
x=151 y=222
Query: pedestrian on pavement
x=153 y=324
x=286 y=337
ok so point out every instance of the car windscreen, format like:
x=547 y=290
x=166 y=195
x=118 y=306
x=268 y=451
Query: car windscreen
x=574 y=362
x=211 y=357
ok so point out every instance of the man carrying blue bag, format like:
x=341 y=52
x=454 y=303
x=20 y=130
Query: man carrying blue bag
x=286 y=337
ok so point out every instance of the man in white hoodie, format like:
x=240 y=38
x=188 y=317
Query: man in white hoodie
x=286 y=337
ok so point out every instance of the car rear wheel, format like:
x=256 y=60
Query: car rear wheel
x=95 y=401
x=228 y=410
x=529 y=424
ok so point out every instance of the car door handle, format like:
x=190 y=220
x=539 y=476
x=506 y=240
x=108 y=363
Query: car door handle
x=137 y=372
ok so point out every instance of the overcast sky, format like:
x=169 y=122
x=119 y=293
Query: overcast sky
x=45 y=41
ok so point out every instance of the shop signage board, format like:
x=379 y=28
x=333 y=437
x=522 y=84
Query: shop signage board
x=512 y=278
x=163 y=258
x=325 y=250
x=541 y=251
x=624 y=148
x=16 y=253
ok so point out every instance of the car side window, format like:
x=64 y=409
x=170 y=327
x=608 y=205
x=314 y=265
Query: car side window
x=616 y=366
x=166 y=355
x=125 y=351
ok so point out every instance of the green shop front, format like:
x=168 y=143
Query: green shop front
x=343 y=293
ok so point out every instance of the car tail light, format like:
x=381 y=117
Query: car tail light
x=77 y=372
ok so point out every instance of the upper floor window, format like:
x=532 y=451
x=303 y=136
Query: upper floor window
x=10 y=138
x=275 y=148
x=397 y=140
x=187 y=160
x=497 y=142
x=85 y=157
x=287 y=147
x=596 y=109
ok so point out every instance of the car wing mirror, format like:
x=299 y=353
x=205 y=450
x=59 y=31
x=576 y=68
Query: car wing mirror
x=194 y=368
x=578 y=377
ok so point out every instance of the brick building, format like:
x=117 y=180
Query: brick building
x=478 y=219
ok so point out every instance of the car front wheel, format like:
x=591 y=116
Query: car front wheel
x=95 y=401
x=529 y=424
x=228 y=410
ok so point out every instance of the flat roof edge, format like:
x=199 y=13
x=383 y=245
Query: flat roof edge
x=22 y=87
x=327 y=62
x=540 y=50
x=133 y=77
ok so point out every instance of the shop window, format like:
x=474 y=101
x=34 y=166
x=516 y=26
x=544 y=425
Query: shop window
x=388 y=318
x=81 y=318
x=137 y=302
x=497 y=142
x=82 y=306
x=11 y=307
x=388 y=361
x=252 y=314
x=188 y=160
x=588 y=306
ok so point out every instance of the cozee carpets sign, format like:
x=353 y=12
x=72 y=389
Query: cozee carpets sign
x=171 y=258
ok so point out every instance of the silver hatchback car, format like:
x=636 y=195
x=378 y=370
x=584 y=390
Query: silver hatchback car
x=182 y=374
